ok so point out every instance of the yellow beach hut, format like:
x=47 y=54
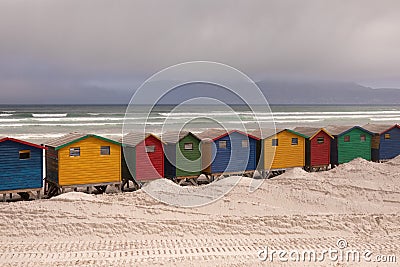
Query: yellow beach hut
x=82 y=160
x=279 y=150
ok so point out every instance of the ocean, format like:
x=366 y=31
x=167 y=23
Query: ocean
x=38 y=123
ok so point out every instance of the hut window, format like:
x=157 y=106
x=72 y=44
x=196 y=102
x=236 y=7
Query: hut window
x=363 y=138
x=150 y=149
x=274 y=142
x=24 y=154
x=105 y=150
x=347 y=138
x=222 y=144
x=387 y=136
x=188 y=146
x=295 y=141
x=74 y=151
x=320 y=140
x=245 y=143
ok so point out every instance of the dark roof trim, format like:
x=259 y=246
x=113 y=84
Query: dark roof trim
x=355 y=127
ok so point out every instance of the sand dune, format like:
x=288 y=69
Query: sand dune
x=358 y=201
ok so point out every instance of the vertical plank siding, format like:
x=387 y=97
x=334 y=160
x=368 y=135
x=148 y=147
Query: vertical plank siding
x=18 y=173
x=52 y=164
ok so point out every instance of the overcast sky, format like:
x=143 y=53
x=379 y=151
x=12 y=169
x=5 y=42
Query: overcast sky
x=60 y=51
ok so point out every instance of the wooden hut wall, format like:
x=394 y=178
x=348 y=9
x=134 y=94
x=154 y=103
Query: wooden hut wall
x=243 y=158
x=319 y=151
x=222 y=155
x=128 y=157
x=307 y=156
x=356 y=147
x=259 y=154
x=170 y=160
x=149 y=165
x=375 y=143
x=390 y=147
x=51 y=164
x=90 y=167
x=334 y=152
x=16 y=173
x=190 y=159
x=285 y=154
x=206 y=148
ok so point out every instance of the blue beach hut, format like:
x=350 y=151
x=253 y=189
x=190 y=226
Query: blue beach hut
x=21 y=167
x=385 y=143
x=227 y=152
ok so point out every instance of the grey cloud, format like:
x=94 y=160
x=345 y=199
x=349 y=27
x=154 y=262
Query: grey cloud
x=71 y=43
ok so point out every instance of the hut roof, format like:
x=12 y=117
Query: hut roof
x=71 y=138
x=379 y=128
x=134 y=138
x=310 y=132
x=175 y=136
x=212 y=133
x=340 y=130
x=215 y=134
x=265 y=133
x=3 y=139
x=337 y=129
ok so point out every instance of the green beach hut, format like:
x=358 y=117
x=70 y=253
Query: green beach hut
x=182 y=155
x=349 y=142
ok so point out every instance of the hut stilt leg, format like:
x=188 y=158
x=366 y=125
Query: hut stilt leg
x=38 y=196
x=193 y=182
x=4 y=197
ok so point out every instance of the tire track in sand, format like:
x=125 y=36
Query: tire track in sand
x=131 y=252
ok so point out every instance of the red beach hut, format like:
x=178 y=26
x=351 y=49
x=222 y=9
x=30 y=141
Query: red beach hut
x=143 y=157
x=318 y=147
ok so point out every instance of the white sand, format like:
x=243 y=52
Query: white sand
x=358 y=201
x=75 y=196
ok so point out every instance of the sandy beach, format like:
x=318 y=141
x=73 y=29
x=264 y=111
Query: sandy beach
x=358 y=202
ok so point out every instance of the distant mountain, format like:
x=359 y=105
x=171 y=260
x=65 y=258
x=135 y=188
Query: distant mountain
x=294 y=92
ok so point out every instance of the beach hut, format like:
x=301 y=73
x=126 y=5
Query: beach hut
x=82 y=160
x=182 y=156
x=349 y=142
x=318 y=147
x=143 y=157
x=21 y=167
x=281 y=149
x=228 y=152
x=385 y=142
